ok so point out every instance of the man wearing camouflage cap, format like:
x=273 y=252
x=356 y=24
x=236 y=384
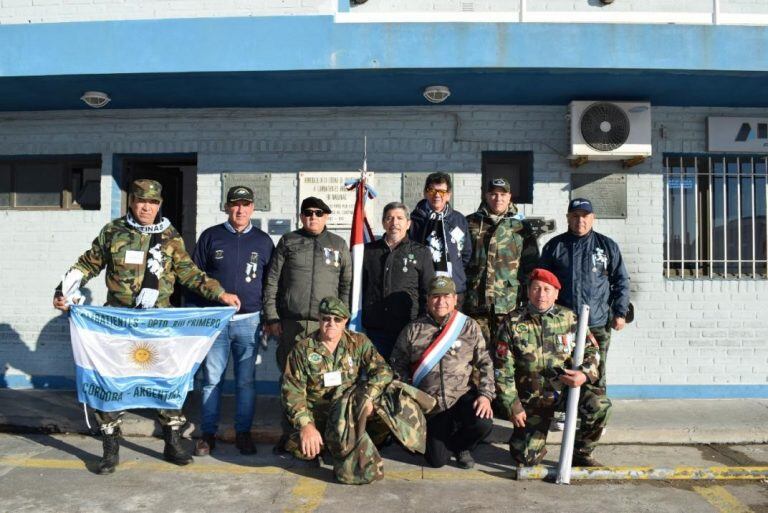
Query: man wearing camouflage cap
x=503 y=253
x=144 y=256
x=439 y=353
x=329 y=405
x=533 y=359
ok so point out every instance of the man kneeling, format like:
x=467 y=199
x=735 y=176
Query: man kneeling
x=534 y=347
x=334 y=382
x=441 y=353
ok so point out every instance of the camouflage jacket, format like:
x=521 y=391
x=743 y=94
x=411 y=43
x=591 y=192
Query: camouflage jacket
x=110 y=248
x=532 y=349
x=452 y=377
x=496 y=270
x=304 y=393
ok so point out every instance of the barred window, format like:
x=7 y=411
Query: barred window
x=715 y=216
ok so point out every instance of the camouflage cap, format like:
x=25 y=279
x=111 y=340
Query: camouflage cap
x=333 y=306
x=441 y=285
x=147 y=189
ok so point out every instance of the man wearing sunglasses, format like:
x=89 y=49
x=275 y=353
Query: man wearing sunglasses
x=443 y=230
x=307 y=265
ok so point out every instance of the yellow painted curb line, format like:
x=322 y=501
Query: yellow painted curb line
x=647 y=473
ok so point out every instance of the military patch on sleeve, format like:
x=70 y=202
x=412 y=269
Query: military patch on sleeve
x=315 y=358
x=521 y=328
x=502 y=349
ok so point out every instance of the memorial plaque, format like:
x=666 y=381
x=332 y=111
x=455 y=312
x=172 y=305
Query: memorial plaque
x=329 y=187
x=278 y=226
x=258 y=182
x=413 y=188
x=608 y=193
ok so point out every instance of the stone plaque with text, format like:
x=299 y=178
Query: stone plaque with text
x=608 y=193
x=258 y=182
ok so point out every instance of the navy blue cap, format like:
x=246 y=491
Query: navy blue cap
x=580 y=204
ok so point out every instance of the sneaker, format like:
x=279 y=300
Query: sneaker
x=244 y=442
x=585 y=460
x=464 y=459
x=205 y=445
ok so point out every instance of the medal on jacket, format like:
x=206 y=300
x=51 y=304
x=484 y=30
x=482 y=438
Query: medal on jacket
x=252 y=267
x=405 y=265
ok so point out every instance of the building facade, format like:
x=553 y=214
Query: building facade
x=268 y=91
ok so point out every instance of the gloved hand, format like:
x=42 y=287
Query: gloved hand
x=147 y=298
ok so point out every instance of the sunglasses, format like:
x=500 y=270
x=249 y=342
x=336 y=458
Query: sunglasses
x=332 y=318
x=312 y=212
x=437 y=192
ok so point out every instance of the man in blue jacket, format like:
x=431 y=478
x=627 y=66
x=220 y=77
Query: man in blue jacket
x=236 y=253
x=592 y=272
x=443 y=230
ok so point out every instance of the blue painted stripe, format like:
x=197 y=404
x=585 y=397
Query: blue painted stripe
x=151 y=323
x=688 y=391
x=317 y=43
x=125 y=393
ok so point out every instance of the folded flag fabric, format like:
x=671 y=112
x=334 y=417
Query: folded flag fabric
x=135 y=358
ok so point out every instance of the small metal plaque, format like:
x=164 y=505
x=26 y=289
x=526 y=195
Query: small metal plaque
x=413 y=188
x=608 y=193
x=278 y=226
x=258 y=182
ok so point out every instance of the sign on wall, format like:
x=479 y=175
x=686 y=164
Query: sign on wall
x=744 y=135
x=257 y=182
x=608 y=193
x=329 y=187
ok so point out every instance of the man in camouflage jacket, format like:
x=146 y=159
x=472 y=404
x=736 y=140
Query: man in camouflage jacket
x=463 y=416
x=329 y=404
x=504 y=251
x=534 y=347
x=123 y=248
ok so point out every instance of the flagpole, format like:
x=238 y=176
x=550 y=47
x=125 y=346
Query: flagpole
x=356 y=243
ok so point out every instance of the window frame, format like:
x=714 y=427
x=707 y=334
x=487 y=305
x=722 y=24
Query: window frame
x=522 y=158
x=66 y=165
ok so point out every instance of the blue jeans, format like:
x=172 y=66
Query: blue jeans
x=241 y=338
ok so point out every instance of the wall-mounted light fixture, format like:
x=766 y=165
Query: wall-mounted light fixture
x=95 y=99
x=436 y=93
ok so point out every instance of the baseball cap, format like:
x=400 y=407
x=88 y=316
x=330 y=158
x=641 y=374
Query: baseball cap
x=580 y=204
x=441 y=285
x=239 y=193
x=147 y=189
x=498 y=183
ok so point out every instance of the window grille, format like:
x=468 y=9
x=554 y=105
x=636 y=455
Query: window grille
x=715 y=216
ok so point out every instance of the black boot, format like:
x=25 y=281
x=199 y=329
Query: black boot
x=174 y=452
x=111 y=456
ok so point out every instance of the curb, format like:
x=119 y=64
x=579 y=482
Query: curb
x=721 y=473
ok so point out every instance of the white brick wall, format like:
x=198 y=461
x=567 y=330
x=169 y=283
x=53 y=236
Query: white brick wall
x=686 y=332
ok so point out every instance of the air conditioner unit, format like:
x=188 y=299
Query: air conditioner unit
x=610 y=130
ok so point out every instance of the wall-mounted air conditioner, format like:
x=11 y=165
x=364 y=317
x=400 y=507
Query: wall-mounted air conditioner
x=610 y=130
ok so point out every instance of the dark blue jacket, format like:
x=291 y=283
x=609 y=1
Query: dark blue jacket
x=459 y=246
x=592 y=272
x=238 y=260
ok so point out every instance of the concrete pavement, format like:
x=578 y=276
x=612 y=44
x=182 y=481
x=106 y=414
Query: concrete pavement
x=657 y=421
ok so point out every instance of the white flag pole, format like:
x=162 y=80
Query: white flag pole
x=572 y=408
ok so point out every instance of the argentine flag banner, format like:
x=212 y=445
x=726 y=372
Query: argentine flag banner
x=131 y=358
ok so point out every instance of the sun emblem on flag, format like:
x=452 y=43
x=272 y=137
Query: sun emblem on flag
x=143 y=355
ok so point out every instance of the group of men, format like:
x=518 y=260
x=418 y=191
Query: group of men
x=462 y=318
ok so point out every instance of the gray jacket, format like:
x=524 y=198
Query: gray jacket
x=304 y=269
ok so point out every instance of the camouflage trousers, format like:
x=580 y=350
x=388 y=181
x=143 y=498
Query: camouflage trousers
x=603 y=336
x=527 y=444
x=111 y=420
x=292 y=332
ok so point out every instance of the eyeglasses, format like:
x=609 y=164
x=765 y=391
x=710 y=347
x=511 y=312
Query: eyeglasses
x=309 y=212
x=332 y=318
x=437 y=192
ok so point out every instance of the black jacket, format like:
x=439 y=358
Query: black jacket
x=395 y=284
x=592 y=272
x=456 y=236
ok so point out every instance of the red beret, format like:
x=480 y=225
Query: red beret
x=546 y=277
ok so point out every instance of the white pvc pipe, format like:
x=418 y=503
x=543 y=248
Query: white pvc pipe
x=572 y=408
